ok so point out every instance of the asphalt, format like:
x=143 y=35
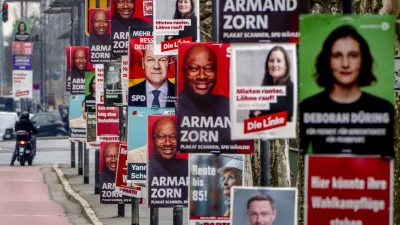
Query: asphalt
x=107 y=214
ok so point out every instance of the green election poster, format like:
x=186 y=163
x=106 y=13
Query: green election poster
x=345 y=80
x=22 y=30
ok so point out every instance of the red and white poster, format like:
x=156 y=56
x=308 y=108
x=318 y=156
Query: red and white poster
x=121 y=186
x=348 y=190
x=124 y=79
x=107 y=123
x=99 y=70
x=22 y=84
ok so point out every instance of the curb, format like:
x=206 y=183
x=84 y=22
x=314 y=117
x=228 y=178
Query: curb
x=87 y=210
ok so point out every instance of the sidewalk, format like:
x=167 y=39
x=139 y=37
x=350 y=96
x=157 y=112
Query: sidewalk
x=107 y=214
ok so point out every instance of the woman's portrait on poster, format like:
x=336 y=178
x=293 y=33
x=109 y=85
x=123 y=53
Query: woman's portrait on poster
x=344 y=66
x=185 y=9
x=277 y=73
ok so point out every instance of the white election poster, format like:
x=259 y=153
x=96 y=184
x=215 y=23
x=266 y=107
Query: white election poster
x=125 y=79
x=263 y=91
x=99 y=70
x=22 y=84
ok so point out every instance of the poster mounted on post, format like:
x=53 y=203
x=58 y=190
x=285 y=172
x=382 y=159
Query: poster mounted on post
x=345 y=103
x=22 y=55
x=137 y=144
x=99 y=70
x=251 y=205
x=90 y=91
x=93 y=4
x=263 y=91
x=22 y=29
x=77 y=118
x=167 y=170
x=125 y=14
x=203 y=104
x=125 y=79
x=108 y=127
x=112 y=84
x=211 y=178
x=22 y=84
x=358 y=191
x=175 y=22
x=121 y=185
x=68 y=68
x=100 y=40
x=260 y=20
x=109 y=152
x=152 y=76
x=91 y=129
x=79 y=66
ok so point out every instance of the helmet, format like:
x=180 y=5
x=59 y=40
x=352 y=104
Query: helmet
x=24 y=116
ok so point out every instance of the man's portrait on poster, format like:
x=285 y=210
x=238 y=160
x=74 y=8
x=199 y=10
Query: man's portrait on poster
x=100 y=28
x=123 y=12
x=343 y=68
x=156 y=90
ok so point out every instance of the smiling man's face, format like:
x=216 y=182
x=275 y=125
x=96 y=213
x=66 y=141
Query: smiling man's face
x=80 y=58
x=111 y=156
x=164 y=138
x=125 y=8
x=155 y=67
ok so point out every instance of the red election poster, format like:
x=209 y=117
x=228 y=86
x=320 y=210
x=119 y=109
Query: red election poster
x=121 y=186
x=67 y=68
x=203 y=100
x=348 y=190
x=107 y=123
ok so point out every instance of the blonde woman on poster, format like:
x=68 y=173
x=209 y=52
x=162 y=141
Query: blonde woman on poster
x=231 y=175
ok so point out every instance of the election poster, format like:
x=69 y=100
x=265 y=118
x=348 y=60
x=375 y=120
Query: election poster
x=22 y=55
x=22 y=84
x=112 y=84
x=100 y=40
x=152 y=77
x=263 y=102
x=203 y=104
x=90 y=91
x=124 y=79
x=345 y=103
x=358 y=191
x=99 y=70
x=108 y=170
x=121 y=185
x=137 y=144
x=260 y=20
x=397 y=74
x=79 y=66
x=22 y=29
x=93 y=4
x=211 y=178
x=107 y=123
x=251 y=205
x=126 y=14
x=67 y=69
x=77 y=118
x=175 y=22
x=91 y=127
x=167 y=170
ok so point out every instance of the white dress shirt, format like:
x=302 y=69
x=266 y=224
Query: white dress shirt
x=161 y=97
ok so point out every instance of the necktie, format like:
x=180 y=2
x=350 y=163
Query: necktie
x=156 y=103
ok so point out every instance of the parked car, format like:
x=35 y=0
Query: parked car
x=8 y=120
x=48 y=124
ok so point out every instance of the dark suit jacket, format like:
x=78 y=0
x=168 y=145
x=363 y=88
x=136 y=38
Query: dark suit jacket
x=140 y=89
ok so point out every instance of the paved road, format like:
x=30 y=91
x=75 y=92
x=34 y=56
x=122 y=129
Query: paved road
x=24 y=198
x=49 y=152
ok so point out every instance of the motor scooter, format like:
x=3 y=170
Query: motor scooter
x=25 y=152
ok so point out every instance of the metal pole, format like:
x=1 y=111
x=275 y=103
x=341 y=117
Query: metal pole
x=2 y=75
x=97 y=3
x=178 y=216
x=22 y=10
x=135 y=211
x=121 y=210
x=347 y=6
x=81 y=33
x=264 y=155
x=86 y=165
x=215 y=20
x=97 y=172
x=72 y=154
x=72 y=40
x=153 y=216
x=80 y=156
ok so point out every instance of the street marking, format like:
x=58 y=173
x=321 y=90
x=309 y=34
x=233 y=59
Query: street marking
x=23 y=215
x=25 y=180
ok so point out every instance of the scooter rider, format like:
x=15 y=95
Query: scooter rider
x=25 y=124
